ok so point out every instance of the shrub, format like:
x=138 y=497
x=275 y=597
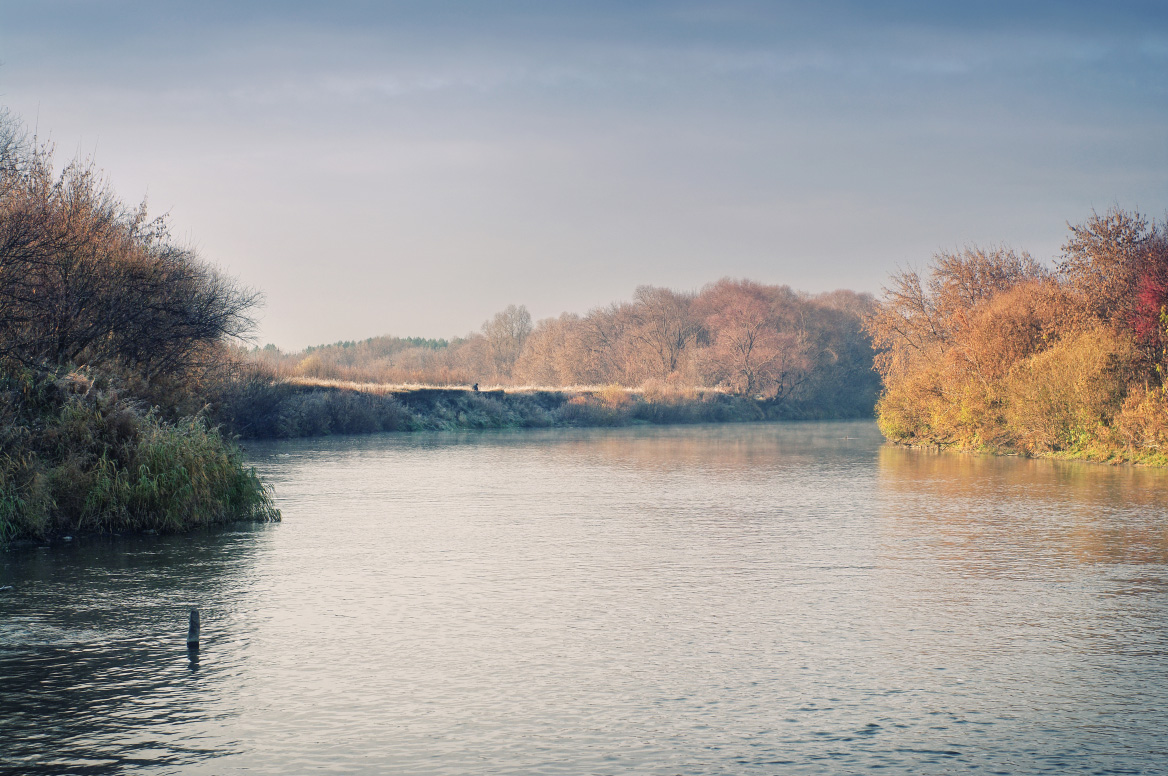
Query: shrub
x=78 y=458
x=664 y=392
x=1142 y=424
x=614 y=395
x=1066 y=397
x=585 y=410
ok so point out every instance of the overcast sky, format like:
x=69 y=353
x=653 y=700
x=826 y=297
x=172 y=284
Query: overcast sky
x=410 y=168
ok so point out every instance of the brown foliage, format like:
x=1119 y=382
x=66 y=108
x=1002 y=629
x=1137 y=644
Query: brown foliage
x=1067 y=396
x=1103 y=260
x=1143 y=420
x=750 y=351
x=1012 y=326
x=989 y=349
x=86 y=280
x=920 y=318
x=808 y=353
x=961 y=281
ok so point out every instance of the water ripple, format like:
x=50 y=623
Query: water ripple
x=708 y=600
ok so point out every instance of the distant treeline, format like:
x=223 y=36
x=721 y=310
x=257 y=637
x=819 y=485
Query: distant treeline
x=111 y=336
x=809 y=354
x=988 y=349
x=378 y=345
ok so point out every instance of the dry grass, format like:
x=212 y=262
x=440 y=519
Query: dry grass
x=77 y=459
x=606 y=391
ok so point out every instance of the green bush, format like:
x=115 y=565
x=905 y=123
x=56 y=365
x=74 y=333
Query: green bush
x=78 y=458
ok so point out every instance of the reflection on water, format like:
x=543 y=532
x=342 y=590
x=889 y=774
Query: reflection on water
x=720 y=599
x=997 y=511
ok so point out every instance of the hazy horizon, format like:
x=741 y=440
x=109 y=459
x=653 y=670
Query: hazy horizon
x=412 y=168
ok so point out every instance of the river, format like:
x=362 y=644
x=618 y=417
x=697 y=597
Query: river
x=739 y=599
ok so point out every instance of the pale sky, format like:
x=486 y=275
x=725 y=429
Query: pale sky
x=410 y=168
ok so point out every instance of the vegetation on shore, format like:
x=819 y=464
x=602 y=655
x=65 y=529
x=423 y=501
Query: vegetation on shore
x=317 y=408
x=110 y=336
x=990 y=350
x=121 y=358
x=798 y=354
x=79 y=458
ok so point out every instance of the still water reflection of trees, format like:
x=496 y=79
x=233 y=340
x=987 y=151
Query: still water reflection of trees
x=996 y=513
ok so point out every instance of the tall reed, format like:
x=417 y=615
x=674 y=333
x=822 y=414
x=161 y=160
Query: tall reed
x=76 y=458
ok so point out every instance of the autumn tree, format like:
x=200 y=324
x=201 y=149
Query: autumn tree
x=666 y=324
x=750 y=349
x=84 y=279
x=990 y=349
x=924 y=317
x=1104 y=260
x=505 y=335
x=1149 y=315
x=962 y=280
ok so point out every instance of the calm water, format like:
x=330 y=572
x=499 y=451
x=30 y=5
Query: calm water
x=713 y=600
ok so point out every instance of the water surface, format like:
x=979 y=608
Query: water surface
x=734 y=599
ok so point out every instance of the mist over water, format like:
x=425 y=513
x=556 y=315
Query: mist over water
x=780 y=598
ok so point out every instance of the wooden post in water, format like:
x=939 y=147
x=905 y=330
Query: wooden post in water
x=193 y=632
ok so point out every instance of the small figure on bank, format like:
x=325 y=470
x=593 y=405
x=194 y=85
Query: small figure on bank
x=475 y=388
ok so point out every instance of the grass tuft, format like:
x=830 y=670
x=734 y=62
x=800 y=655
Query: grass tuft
x=78 y=459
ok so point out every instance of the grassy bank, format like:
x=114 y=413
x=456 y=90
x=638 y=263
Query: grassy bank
x=305 y=408
x=77 y=458
x=1135 y=431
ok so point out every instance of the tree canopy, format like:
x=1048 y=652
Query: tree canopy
x=988 y=348
x=87 y=280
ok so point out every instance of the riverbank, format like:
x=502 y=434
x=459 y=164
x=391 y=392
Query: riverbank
x=990 y=350
x=79 y=458
x=1113 y=456
x=290 y=409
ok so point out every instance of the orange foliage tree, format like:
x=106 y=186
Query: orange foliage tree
x=990 y=349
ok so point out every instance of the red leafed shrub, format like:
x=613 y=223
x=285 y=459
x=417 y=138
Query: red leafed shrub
x=1151 y=301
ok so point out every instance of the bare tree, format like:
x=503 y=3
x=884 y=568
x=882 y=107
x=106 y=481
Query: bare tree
x=86 y=280
x=962 y=280
x=920 y=317
x=746 y=351
x=606 y=346
x=506 y=333
x=1103 y=259
x=14 y=150
x=666 y=325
